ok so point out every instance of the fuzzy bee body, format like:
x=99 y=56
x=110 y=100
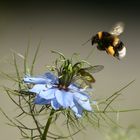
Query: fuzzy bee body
x=110 y=42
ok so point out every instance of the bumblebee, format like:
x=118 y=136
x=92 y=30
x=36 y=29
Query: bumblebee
x=86 y=74
x=110 y=42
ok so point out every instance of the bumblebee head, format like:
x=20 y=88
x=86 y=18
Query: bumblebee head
x=95 y=39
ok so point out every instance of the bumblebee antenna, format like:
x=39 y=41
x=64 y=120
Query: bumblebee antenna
x=86 y=42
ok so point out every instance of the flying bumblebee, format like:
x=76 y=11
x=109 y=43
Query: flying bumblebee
x=110 y=42
x=86 y=74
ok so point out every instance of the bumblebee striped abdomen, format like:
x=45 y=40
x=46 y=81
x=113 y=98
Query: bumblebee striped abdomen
x=110 y=43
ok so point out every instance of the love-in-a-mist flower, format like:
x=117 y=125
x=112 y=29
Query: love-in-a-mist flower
x=60 y=91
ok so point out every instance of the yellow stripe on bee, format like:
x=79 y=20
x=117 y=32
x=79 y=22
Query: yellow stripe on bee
x=100 y=35
x=116 y=41
x=110 y=50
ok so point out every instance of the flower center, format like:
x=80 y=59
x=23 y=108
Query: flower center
x=63 y=87
x=66 y=73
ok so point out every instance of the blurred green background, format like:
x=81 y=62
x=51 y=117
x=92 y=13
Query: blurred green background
x=64 y=26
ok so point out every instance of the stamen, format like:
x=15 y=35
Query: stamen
x=64 y=87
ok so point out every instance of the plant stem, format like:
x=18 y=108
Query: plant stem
x=44 y=135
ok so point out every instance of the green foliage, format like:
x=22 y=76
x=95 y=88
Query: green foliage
x=131 y=133
x=67 y=71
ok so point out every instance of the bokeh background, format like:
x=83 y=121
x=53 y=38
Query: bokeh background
x=64 y=26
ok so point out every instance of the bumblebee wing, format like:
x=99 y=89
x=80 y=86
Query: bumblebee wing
x=117 y=29
x=94 y=69
x=86 y=76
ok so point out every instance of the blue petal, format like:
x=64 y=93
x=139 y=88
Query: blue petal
x=55 y=105
x=47 y=93
x=64 y=98
x=50 y=76
x=77 y=109
x=95 y=102
x=77 y=88
x=85 y=104
x=38 y=88
x=41 y=101
x=74 y=87
x=83 y=100
x=81 y=96
x=41 y=79
x=35 y=80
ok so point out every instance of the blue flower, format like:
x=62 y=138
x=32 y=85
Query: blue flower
x=48 y=91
